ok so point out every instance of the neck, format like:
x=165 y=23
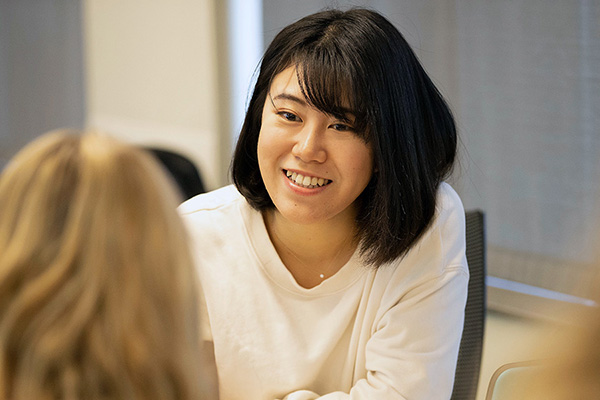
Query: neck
x=313 y=252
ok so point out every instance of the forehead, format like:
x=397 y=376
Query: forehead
x=290 y=82
x=286 y=81
x=285 y=86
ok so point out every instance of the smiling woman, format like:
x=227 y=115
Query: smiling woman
x=296 y=138
x=336 y=265
x=299 y=144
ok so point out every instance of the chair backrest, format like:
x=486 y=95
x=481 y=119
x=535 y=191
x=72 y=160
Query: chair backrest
x=471 y=344
x=183 y=170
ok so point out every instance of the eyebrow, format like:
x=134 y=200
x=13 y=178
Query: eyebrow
x=290 y=97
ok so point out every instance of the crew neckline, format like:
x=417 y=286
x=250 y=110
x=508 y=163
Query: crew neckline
x=271 y=264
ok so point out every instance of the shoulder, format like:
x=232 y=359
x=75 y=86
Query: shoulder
x=215 y=220
x=441 y=250
x=219 y=198
x=218 y=211
x=450 y=213
x=447 y=232
x=448 y=200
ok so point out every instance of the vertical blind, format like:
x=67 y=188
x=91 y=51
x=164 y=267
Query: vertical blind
x=41 y=70
x=529 y=106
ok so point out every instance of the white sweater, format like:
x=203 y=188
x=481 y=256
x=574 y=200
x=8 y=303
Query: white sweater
x=386 y=333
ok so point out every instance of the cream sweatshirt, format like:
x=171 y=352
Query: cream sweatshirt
x=386 y=333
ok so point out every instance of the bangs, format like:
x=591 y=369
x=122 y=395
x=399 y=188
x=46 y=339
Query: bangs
x=332 y=85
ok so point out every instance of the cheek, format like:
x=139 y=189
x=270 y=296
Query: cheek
x=260 y=154
x=263 y=149
x=271 y=145
x=260 y=144
x=267 y=154
x=363 y=163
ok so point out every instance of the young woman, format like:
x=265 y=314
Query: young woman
x=98 y=293
x=335 y=267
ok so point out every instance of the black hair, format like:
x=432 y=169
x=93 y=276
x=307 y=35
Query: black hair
x=360 y=57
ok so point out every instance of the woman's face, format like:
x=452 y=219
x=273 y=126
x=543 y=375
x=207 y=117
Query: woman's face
x=313 y=164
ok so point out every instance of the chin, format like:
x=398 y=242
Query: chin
x=301 y=214
x=302 y=218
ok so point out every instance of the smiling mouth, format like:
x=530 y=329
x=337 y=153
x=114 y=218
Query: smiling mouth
x=309 y=182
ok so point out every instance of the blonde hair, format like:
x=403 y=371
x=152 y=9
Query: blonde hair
x=98 y=294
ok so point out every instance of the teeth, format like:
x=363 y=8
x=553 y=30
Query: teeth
x=306 y=181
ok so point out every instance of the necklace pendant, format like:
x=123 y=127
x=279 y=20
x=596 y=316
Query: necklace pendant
x=321 y=276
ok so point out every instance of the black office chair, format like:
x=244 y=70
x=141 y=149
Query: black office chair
x=183 y=170
x=471 y=344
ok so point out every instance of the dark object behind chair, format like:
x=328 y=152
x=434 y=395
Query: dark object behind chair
x=471 y=345
x=183 y=171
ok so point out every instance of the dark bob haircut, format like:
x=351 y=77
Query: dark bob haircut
x=358 y=56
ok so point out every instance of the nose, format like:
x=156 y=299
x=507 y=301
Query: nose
x=310 y=146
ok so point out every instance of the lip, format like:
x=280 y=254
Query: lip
x=299 y=189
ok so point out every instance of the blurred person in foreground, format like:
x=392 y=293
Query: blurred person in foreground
x=566 y=363
x=98 y=294
x=571 y=369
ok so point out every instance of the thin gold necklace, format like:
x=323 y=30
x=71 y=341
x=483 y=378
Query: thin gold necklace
x=321 y=274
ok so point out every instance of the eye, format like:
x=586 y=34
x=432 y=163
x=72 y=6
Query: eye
x=342 y=127
x=289 y=116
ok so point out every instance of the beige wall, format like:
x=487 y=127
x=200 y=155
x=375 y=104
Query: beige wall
x=151 y=76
